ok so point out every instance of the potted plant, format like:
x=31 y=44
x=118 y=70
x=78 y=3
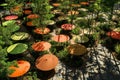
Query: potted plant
x=14 y=8
x=19 y=70
x=42 y=8
x=5 y=64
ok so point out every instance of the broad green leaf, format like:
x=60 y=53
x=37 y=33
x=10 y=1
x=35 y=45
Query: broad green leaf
x=17 y=48
x=20 y=36
x=3 y=4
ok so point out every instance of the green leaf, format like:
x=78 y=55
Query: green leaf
x=17 y=48
x=13 y=28
x=3 y=4
x=19 y=36
x=6 y=23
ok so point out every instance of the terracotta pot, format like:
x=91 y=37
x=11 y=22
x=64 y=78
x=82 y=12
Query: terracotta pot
x=27 y=11
x=60 y=38
x=114 y=34
x=11 y=17
x=30 y=23
x=42 y=30
x=23 y=67
x=41 y=46
x=16 y=8
x=84 y=3
x=56 y=4
x=33 y=16
x=47 y=62
x=67 y=26
x=77 y=49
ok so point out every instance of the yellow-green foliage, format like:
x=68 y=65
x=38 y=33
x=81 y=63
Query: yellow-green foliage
x=117 y=48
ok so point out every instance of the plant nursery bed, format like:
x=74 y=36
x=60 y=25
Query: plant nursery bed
x=60 y=40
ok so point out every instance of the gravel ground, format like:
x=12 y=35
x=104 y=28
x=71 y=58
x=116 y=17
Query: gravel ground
x=100 y=65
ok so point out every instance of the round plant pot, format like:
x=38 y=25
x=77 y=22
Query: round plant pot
x=42 y=30
x=33 y=16
x=23 y=68
x=11 y=17
x=27 y=11
x=67 y=26
x=60 y=38
x=41 y=46
x=56 y=4
x=84 y=3
x=19 y=36
x=46 y=62
x=30 y=24
x=77 y=49
x=17 y=51
x=114 y=34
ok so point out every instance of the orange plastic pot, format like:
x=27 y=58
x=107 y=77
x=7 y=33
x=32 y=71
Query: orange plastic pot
x=67 y=26
x=23 y=67
x=42 y=30
x=41 y=46
x=16 y=8
x=84 y=3
x=30 y=23
x=56 y=4
x=60 y=38
x=11 y=17
x=32 y=16
x=114 y=34
x=27 y=11
x=47 y=62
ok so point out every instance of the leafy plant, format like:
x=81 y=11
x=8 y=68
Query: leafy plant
x=6 y=31
x=117 y=48
x=76 y=30
x=42 y=8
x=17 y=48
x=4 y=64
x=62 y=53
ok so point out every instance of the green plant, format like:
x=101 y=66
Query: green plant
x=62 y=54
x=42 y=8
x=117 y=48
x=31 y=76
x=6 y=30
x=5 y=64
x=10 y=4
x=76 y=30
